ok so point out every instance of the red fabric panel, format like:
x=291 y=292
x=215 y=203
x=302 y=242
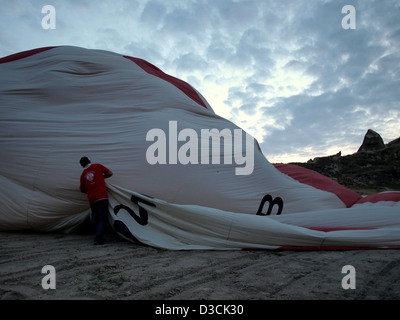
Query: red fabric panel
x=23 y=54
x=384 y=196
x=319 y=181
x=180 y=84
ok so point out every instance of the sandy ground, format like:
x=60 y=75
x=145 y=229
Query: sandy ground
x=123 y=270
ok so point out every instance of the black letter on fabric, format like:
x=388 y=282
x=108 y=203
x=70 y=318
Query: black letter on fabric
x=143 y=216
x=277 y=201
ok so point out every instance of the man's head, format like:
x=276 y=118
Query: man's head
x=84 y=161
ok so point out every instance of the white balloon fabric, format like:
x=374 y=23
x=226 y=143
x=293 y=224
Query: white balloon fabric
x=184 y=177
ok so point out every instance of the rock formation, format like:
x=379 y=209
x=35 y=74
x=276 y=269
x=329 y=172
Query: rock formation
x=375 y=167
x=372 y=141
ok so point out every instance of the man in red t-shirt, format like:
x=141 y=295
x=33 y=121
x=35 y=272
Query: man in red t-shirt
x=93 y=184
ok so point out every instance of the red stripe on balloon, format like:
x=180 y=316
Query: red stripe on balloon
x=180 y=84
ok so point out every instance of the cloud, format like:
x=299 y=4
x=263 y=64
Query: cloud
x=353 y=87
x=154 y=14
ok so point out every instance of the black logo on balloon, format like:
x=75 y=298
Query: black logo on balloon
x=143 y=217
x=271 y=203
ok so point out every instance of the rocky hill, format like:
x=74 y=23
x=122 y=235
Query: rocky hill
x=375 y=167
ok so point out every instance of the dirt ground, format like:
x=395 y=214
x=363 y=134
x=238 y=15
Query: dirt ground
x=120 y=270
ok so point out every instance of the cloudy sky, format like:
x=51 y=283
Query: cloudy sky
x=285 y=71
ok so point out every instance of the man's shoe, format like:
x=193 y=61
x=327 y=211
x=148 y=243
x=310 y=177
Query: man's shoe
x=99 y=242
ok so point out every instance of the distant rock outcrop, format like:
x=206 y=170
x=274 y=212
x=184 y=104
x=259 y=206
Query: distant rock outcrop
x=375 y=167
x=372 y=141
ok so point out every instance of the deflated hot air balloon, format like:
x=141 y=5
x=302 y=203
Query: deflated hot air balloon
x=184 y=177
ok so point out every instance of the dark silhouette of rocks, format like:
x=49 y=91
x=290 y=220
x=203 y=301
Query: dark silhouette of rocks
x=375 y=167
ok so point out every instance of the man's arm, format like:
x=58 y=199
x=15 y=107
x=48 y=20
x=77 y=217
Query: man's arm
x=108 y=174
x=82 y=187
